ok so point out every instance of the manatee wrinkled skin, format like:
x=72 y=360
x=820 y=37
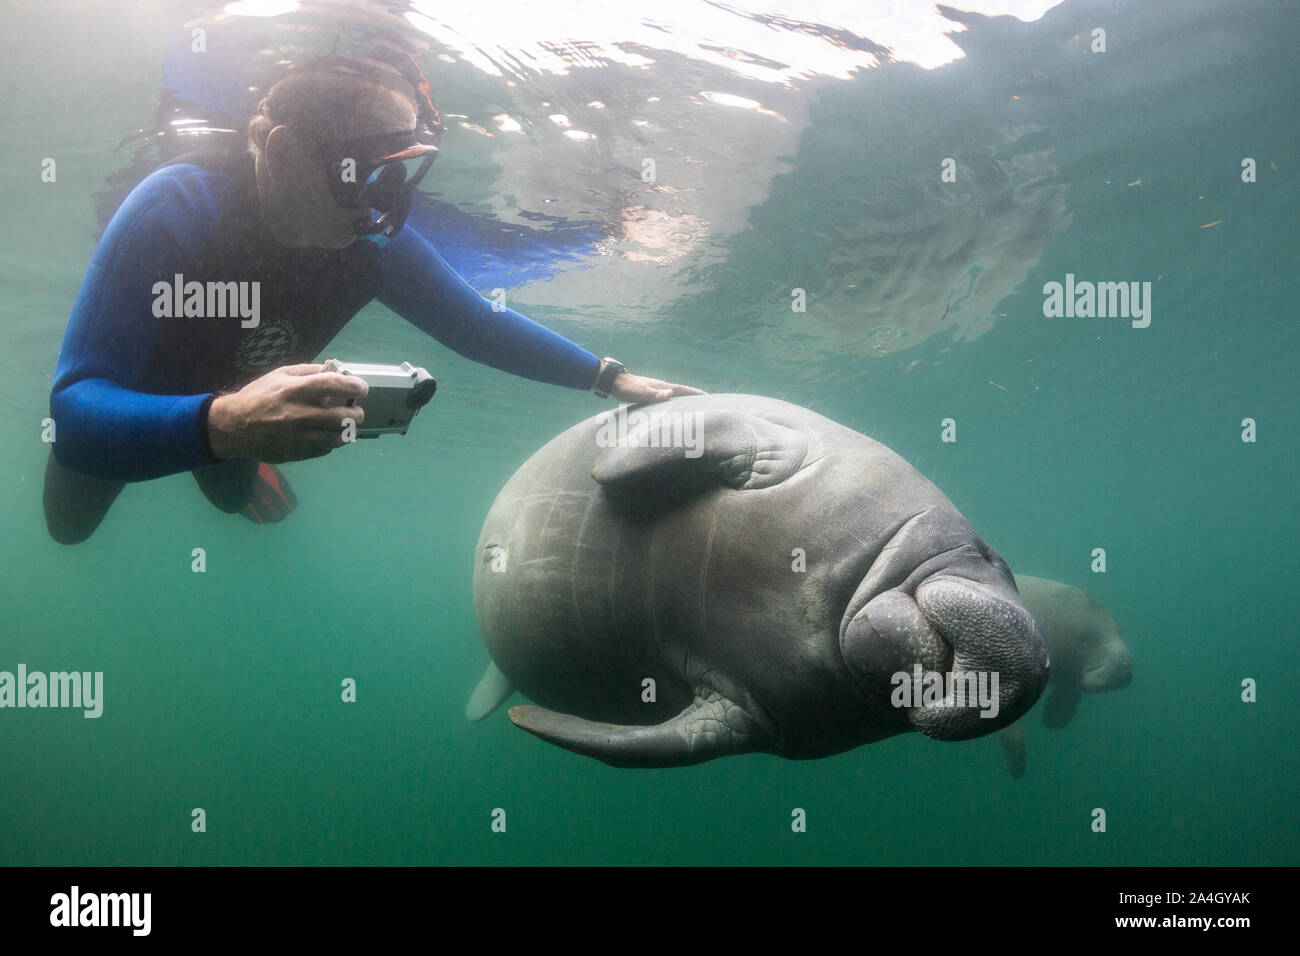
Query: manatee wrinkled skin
x=721 y=574
x=1087 y=649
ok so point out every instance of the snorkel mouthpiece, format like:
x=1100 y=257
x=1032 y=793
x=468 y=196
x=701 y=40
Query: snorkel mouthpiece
x=387 y=188
x=378 y=231
x=380 y=226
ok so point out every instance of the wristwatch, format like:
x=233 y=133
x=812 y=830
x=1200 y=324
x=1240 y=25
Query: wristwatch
x=605 y=375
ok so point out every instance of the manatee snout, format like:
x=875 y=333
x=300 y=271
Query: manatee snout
x=993 y=635
x=959 y=660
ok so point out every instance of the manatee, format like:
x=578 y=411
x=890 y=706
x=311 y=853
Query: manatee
x=723 y=574
x=1087 y=650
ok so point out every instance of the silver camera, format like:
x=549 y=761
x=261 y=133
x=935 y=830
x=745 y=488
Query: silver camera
x=397 y=393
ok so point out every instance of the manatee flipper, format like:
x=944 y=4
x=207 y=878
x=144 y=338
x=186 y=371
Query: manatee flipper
x=712 y=726
x=1061 y=705
x=742 y=451
x=492 y=690
x=1014 y=751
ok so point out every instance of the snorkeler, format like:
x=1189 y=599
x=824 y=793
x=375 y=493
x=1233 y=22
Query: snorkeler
x=303 y=229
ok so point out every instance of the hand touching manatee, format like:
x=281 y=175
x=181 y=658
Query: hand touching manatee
x=723 y=574
x=639 y=388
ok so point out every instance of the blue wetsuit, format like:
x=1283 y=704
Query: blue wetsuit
x=131 y=391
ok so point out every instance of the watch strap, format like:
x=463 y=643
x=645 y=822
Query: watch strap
x=609 y=370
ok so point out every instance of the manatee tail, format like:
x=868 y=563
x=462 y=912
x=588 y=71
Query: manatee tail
x=1061 y=704
x=712 y=726
x=492 y=690
x=1014 y=751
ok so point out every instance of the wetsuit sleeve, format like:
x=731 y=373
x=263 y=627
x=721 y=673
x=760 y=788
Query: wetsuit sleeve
x=106 y=425
x=419 y=285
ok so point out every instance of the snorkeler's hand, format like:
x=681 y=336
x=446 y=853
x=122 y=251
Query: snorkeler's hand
x=638 y=388
x=288 y=414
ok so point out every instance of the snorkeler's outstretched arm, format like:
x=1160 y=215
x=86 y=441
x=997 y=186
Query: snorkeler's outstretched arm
x=419 y=285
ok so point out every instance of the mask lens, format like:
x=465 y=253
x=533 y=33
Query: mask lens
x=389 y=183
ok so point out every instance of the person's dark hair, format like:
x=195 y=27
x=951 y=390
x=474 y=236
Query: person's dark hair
x=308 y=97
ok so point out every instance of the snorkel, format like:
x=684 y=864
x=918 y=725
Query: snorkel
x=379 y=229
x=384 y=187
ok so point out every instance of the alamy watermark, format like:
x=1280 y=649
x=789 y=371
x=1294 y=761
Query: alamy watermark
x=1101 y=300
x=76 y=908
x=208 y=300
x=652 y=429
x=73 y=689
x=922 y=688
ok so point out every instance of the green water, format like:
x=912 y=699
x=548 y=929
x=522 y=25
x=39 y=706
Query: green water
x=222 y=689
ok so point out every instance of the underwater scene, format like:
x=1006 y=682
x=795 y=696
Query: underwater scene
x=695 y=433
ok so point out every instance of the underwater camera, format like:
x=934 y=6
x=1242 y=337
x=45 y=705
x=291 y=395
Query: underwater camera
x=397 y=393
